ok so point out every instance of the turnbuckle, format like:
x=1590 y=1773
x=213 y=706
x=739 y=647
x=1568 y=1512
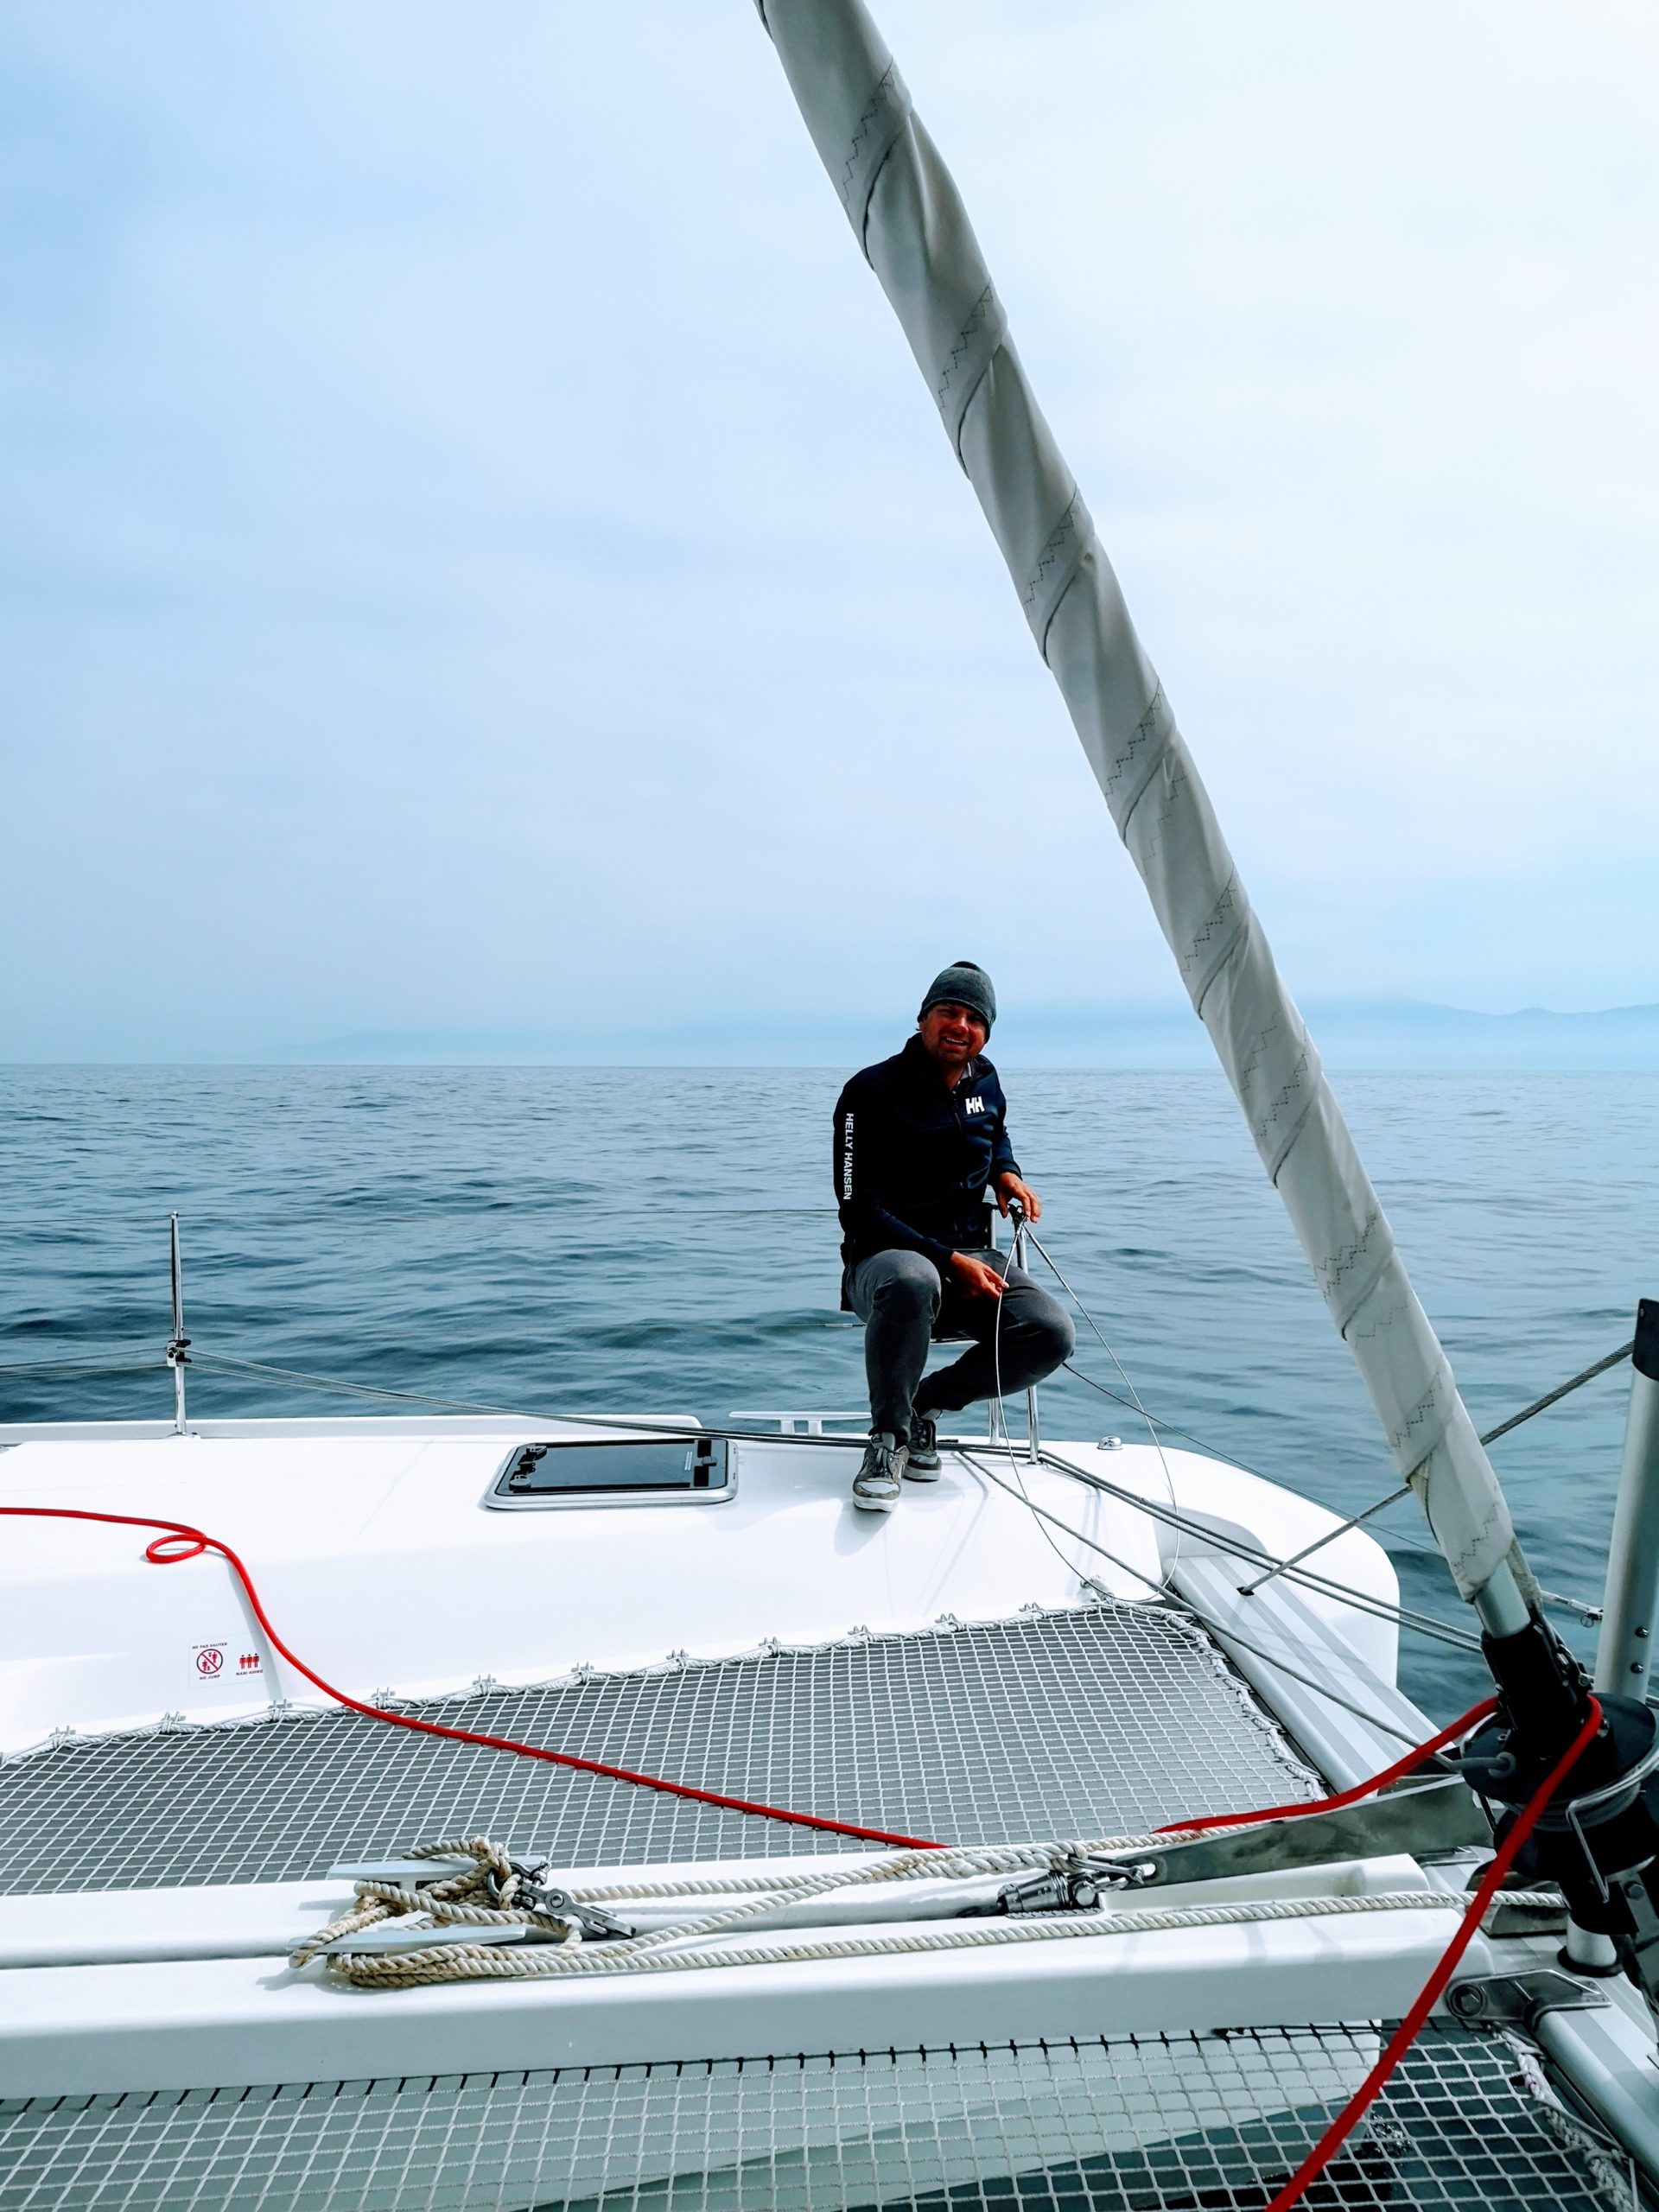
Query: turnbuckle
x=1074 y=1887
x=536 y=1894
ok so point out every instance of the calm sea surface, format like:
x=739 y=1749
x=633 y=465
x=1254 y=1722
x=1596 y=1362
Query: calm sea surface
x=663 y=1240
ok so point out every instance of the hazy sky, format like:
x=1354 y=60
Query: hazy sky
x=479 y=556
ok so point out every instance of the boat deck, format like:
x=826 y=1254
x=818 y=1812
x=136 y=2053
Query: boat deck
x=1049 y=1711
x=1095 y=1720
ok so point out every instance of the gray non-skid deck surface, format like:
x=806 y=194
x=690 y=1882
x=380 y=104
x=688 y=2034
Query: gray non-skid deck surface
x=1155 y=2123
x=1099 y=1721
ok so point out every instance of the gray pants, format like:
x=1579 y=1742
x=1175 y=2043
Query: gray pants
x=903 y=1304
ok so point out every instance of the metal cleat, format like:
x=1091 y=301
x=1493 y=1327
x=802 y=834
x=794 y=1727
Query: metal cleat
x=395 y=1935
x=401 y=1869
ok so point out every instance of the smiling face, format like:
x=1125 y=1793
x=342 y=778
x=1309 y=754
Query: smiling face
x=951 y=1036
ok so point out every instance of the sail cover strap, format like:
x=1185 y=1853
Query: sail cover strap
x=910 y=222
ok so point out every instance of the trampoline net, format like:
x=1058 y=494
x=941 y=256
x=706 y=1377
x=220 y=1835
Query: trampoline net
x=1096 y=1721
x=1163 y=2124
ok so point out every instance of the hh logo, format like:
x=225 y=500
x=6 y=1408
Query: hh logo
x=973 y=1106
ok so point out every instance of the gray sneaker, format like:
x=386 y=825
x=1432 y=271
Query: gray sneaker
x=875 y=1486
x=922 y=1455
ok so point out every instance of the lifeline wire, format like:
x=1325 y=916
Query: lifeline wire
x=1176 y=1519
x=1584 y=1610
x=1253 y=1555
x=1403 y=1617
x=1422 y=1624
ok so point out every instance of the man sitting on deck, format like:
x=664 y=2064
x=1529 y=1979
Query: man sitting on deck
x=917 y=1139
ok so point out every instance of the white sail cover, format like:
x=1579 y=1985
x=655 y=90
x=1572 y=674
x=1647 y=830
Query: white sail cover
x=913 y=230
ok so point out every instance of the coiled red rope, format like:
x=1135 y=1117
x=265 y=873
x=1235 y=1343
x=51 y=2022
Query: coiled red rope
x=164 y=1551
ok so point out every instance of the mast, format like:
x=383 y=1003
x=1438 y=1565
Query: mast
x=913 y=230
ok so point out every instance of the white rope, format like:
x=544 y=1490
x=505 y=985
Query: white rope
x=476 y=1962
x=447 y=1901
x=960 y=1862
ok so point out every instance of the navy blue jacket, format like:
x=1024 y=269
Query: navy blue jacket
x=913 y=1157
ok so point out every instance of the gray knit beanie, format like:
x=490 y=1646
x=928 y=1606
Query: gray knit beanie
x=964 y=982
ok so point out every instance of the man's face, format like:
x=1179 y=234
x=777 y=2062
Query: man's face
x=952 y=1035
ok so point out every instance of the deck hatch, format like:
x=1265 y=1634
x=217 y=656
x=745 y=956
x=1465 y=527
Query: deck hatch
x=688 y=1469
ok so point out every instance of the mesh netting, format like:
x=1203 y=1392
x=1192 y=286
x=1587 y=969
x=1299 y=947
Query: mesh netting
x=1134 y=2125
x=1103 y=1720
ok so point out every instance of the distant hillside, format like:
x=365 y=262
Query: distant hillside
x=1400 y=1035
x=1408 y=1034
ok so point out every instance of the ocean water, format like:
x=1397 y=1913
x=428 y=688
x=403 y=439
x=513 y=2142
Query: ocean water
x=664 y=1240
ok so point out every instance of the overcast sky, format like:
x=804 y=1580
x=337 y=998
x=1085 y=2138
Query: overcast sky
x=479 y=557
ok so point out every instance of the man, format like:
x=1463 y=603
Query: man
x=918 y=1138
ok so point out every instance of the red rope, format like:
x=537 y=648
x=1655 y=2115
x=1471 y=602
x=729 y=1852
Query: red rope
x=161 y=1553
x=1401 y=1766
x=1404 y=2036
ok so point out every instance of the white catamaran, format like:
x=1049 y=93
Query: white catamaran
x=488 y=1810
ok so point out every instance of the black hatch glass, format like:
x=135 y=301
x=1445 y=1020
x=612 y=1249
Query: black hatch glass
x=626 y=1466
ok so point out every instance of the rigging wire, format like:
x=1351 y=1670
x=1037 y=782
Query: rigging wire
x=1160 y=1588
x=1552 y=1397
x=1491 y=1435
x=1396 y=1537
x=1404 y=1616
x=1157 y=1442
x=1188 y=1604
x=1322 y=1586
x=1017 y=1488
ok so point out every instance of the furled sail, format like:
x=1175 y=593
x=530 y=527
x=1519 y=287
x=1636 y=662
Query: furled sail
x=911 y=224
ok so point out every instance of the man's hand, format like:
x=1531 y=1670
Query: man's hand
x=1008 y=1186
x=975 y=1276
